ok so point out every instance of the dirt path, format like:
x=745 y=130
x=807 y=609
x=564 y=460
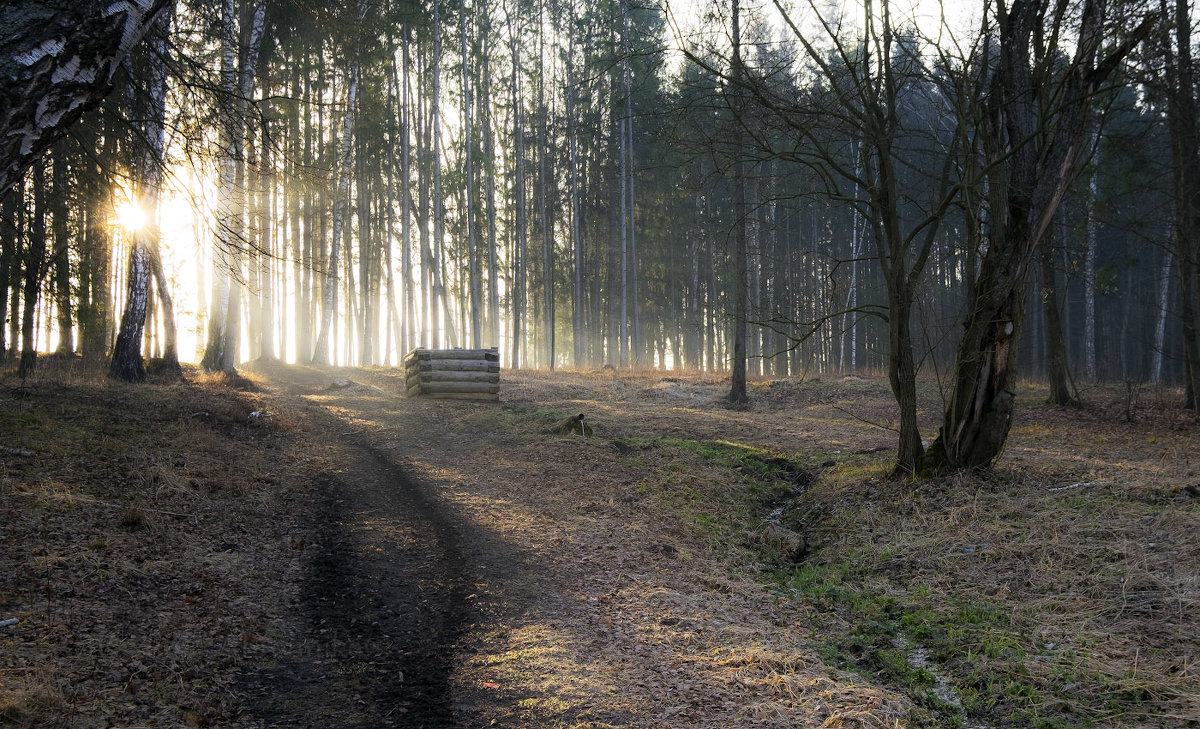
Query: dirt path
x=387 y=596
x=468 y=570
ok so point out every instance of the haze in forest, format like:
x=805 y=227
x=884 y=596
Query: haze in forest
x=972 y=191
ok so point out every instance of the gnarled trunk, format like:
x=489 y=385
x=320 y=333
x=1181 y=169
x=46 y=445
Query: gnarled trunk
x=1035 y=155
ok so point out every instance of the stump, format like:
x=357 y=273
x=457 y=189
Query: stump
x=458 y=374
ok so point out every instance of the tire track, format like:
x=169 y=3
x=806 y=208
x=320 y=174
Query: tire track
x=382 y=606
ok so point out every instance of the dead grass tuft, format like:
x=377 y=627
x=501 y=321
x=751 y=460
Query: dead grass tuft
x=108 y=539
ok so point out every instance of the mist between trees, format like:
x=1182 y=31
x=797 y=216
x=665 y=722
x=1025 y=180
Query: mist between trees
x=767 y=188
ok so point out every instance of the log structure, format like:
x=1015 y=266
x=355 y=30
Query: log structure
x=461 y=374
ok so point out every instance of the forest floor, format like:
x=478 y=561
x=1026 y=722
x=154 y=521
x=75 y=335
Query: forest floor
x=298 y=547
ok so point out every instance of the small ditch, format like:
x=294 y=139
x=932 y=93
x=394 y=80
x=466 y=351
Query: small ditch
x=918 y=658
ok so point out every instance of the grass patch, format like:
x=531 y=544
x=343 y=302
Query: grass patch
x=721 y=490
x=1015 y=594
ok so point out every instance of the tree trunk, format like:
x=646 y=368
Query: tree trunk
x=410 y=304
x=1160 y=327
x=1184 y=130
x=438 y=268
x=1039 y=157
x=489 y=154
x=737 y=393
x=543 y=205
x=475 y=281
x=576 y=234
x=1061 y=390
x=519 y=223
x=8 y=257
x=62 y=255
x=1089 y=285
x=341 y=201
x=236 y=84
x=266 y=229
x=627 y=148
x=35 y=266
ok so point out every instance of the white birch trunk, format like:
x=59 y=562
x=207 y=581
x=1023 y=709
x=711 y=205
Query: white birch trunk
x=54 y=70
x=340 y=201
x=474 y=284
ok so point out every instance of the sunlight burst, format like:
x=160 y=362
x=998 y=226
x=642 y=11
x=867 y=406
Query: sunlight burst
x=131 y=217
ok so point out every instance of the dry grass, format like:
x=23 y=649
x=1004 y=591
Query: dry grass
x=129 y=542
x=150 y=548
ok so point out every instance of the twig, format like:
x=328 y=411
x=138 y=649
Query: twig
x=1081 y=484
x=864 y=420
x=8 y=622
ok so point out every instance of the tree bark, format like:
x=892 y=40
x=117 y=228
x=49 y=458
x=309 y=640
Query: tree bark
x=1089 y=284
x=62 y=256
x=341 y=200
x=8 y=258
x=489 y=155
x=519 y=222
x=1184 y=130
x=321 y=355
x=236 y=84
x=35 y=268
x=576 y=212
x=475 y=280
x=738 y=393
x=1061 y=390
x=57 y=60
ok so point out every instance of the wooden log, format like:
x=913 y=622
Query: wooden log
x=463 y=395
x=427 y=388
x=443 y=376
x=451 y=365
x=431 y=387
x=490 y=355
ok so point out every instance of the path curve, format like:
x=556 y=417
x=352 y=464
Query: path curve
x=383 y=603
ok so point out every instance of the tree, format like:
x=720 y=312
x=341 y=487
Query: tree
x=1036 y=116
x=1184 y=129
x=340 y=201
x=737 y=391
x=144 y=256
x=238 y=66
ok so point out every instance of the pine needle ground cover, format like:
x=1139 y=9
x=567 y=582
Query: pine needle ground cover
x=156 y=543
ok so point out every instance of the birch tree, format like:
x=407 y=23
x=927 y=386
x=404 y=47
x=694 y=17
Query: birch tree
x=145 y=257
x=57 y=60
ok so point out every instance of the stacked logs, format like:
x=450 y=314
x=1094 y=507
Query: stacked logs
x=462 y=374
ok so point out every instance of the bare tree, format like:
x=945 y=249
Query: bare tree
x=1036 y=116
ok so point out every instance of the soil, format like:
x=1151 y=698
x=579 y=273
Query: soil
x=305 y=547
x=469 y=568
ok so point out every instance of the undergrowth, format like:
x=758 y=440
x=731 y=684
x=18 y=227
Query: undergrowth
x=970 y=596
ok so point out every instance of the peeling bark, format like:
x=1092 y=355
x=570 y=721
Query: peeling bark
x=57 y=59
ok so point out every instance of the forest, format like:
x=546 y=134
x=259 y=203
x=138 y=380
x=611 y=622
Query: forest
x=972 y=192
x=849 y=364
